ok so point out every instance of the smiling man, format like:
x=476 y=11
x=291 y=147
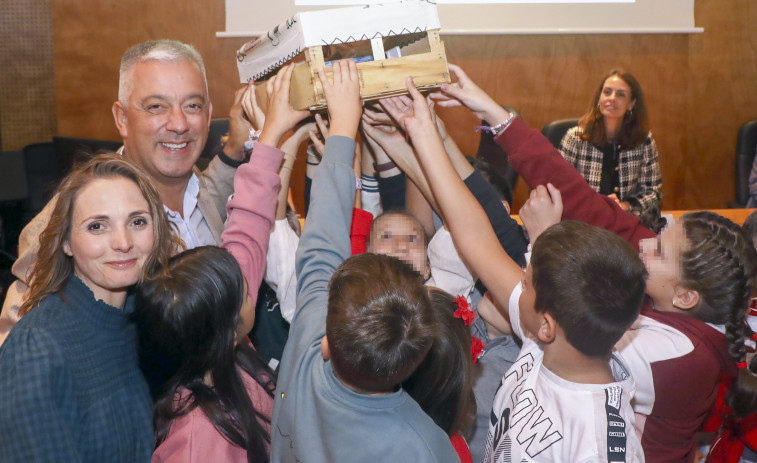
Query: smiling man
x=163 y=114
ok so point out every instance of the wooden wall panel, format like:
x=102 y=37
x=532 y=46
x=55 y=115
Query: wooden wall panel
x=551 y=77
x=699 y=87
x=27 y=90
x=91 y=35
x=722 y=95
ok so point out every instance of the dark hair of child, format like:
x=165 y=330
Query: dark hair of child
x=442 y=382
x=719 y=263
x=750 y=225
x=379 y=324
x=591 y=281
x=186 y=317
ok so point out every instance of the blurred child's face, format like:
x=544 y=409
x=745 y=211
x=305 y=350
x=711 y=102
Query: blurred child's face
x=246 y=315
x=398 y=236
x=661 y=256
x=530 y=319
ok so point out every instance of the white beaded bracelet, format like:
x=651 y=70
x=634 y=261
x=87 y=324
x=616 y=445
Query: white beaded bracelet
x=499 y=128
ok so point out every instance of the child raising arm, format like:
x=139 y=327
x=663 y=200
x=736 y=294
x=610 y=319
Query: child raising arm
x=464 y=216
x=361 y=328
x=567 y=397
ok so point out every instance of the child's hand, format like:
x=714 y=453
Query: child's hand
x=625 y=205
x=318 y=142
x=291 y=145
x=411 y=113
x=302 y=130
x=440 y=127
x=388 y=139
x=374 y=115
x=343 y=98
x=466 y=92
x=252 y=109
x=281 y=116
x=542 y=210
x=239 y=125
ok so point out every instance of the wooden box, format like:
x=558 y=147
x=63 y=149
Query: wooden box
x=389 y=42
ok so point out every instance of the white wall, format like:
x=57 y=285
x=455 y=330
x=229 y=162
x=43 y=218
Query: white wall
x=253 y=17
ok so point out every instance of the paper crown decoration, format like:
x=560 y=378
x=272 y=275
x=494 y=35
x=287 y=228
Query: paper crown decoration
x=389 y=41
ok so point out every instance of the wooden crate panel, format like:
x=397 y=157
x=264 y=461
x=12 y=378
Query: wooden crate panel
x=378 y=79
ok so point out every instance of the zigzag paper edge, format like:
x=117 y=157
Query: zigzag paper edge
x=273 y=67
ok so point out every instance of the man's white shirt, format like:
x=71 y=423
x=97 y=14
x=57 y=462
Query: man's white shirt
x=192 y=228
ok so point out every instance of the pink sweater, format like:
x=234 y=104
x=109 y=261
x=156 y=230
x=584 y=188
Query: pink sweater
x=252 y=212
x=193 y=438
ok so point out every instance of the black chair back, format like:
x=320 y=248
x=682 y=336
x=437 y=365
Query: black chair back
x=554 y=131
x=12 y=176
x=42 y=175
x=73 y=150
x=746 y=144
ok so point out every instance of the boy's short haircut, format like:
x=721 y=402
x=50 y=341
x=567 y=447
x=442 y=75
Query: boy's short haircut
x=379 y=324
x=591 y=281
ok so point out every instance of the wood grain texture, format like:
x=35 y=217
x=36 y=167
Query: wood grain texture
x=27 y=90
x=699 y=88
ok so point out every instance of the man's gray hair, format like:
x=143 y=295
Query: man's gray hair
x=159 y=50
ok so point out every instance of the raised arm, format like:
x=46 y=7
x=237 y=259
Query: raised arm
x=291 y=147
x=539 y=163
x=218 y=179
x=257 y=183
x=388 y=142
x=507 y=229
x=465 y=219
x=325 y=242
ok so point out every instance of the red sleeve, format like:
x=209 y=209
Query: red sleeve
x=539 y=163
x=359 y=230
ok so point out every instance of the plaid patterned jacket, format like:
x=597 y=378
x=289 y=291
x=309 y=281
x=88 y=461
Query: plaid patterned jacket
x=640 y=180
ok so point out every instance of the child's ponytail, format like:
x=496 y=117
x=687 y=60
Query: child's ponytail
x=742 y=395
x=719 y=263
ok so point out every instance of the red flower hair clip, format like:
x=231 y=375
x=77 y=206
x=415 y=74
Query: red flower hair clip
x=464 y=311
x=476 y=348
x=467 y=315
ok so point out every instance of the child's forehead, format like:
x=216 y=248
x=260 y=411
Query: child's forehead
x=396 y=221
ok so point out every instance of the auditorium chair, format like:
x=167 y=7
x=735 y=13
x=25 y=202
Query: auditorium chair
x=555 y=130
x=746 y=144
